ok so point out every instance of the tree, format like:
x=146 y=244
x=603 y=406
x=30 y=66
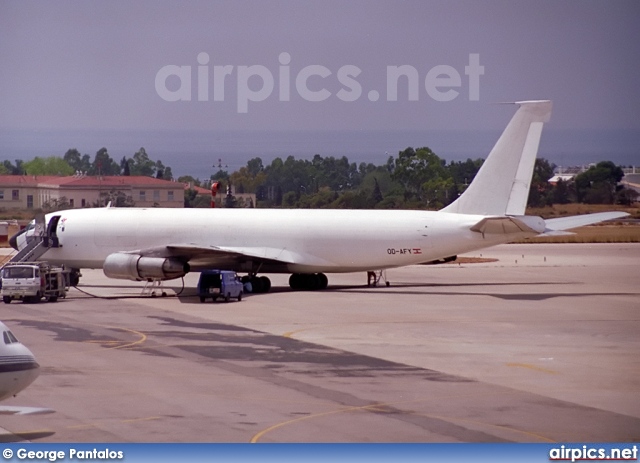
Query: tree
x=320 y=199
x=423 y=175
x=627 y=196
x=248 y=179
x=14 y=170
x=289 y=199
x=598 y=185
x=436 y=191
x=163 y=172
x=125 y=166
x=351 y=200
x=376 y=195
x=189 y=197
x=255 y=166
x=142 y=164
x=8 y=168
x=221 y=175
x=159 y=169
x=79 y=163
x=103 y=164
x=188 y=179
x=540 y=190
x=561 y=192
x=51 y=165
x=462 y=173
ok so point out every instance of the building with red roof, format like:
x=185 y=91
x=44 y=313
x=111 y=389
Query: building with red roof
x=39 y=192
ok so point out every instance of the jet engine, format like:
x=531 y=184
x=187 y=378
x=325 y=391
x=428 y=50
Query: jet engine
x=134 y=267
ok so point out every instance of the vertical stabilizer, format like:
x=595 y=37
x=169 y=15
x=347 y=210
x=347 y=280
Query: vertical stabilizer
x=501 y=186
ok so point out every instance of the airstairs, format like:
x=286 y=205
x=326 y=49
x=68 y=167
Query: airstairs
x=39 y=242
x=33 y=251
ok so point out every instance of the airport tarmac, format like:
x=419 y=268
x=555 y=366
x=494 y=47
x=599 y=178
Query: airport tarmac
x=542 y=345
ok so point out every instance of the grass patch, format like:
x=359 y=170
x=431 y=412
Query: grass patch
x=616 y=233
x=566 y=210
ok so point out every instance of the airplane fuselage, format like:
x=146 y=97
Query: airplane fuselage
x=18 y=366
x=330 y=241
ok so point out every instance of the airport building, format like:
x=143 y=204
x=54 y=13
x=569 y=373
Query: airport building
x=78 y=191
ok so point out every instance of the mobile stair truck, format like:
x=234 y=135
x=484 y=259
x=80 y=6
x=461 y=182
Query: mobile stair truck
x=32 y=281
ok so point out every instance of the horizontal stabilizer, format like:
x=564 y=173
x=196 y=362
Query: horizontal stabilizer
x=575 y=221
x=556 y=233
x=509 y=225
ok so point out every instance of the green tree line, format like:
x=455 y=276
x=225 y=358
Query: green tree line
x=74 y=162
x=414 y=179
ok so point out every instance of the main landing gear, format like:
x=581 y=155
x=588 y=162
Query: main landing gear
x=74 y=277
x=308 y=281
x=297 y=282
x=258 y=284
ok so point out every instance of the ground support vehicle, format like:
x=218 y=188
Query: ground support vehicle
x=219 y=283
x=32 y=281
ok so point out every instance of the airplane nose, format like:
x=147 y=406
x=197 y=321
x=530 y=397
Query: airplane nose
x=13 y=241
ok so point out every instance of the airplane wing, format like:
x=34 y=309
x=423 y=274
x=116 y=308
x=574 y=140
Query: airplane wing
x=200 y=257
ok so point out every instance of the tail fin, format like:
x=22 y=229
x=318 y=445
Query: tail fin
x=501 y=186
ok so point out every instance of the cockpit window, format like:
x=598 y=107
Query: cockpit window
x=9 y=338
x=12 y=337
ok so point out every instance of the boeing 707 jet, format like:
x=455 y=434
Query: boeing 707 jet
x=161 y=244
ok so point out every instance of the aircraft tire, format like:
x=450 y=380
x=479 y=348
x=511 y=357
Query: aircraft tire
x=308 y=281
x=295 y=281
x=257 y=285
x=324 y=281
x=74 y=277
x=312 y=282
x=266 y=284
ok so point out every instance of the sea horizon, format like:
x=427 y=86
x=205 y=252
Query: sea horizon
x=199 y=153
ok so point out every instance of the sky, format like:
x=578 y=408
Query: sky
x=315 y=65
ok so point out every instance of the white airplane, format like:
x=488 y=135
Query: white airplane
x=160 y=244
x=18 y=369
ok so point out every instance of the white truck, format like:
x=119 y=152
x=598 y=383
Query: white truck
x=32 y=281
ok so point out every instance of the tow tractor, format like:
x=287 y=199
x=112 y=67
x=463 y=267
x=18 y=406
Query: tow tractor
x=32 y=281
